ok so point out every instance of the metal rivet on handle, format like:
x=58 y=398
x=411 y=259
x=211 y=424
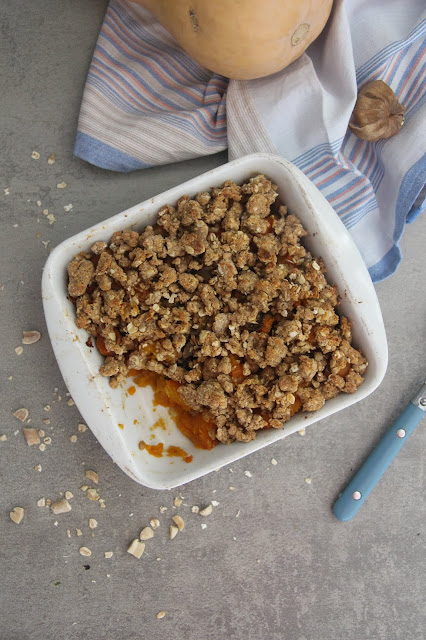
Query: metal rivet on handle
x=401 y=433
x=422 y=402
x=356 y=495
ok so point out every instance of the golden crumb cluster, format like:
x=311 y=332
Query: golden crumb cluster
x=221 y=297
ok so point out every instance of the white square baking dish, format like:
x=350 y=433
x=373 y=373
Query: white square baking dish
x=118 y=420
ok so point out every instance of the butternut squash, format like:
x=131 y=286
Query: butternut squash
x=242 y=39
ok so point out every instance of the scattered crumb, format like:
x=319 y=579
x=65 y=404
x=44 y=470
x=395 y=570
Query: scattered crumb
x=47 y=440
x=41 y=502
x=55 y=524
x=302 y=431
x=92 y=494
x=3 y=438
x=17 y=514
x=237 y=515
x=161 y=614
x=84 y=487
x=29 y=337
x=42 y=447
x=84 y=551
x=108 y=554
x=19 y=351
x=46 y=421
x=41 y=433
x=195 y=509
x=69 y=495
x=35 y=155
x=231 y=488
x=37 y=467
x=163 y=509
x=273 y=461
x=173 y=531
x=79 y=532
x=177 y=502
x=204 y=526
x=136 y=548
x=92 y=475
x=248 y=474
x=21 y=414
x=7 y=191
x=60 y=506
x=31 y=436
x=179 y=522
x=45 y=212
x=38 y=203
x=308 y=480
x=46 y=243
x=93 y=523
x=47 y=407
x=215 y=503
x=51 y=159
x=68 y=207
x=82 y=428
x=206 y=511
x=70 y=402
x=154 y=523
x=146 y=533
x=73 y=438
x=61 y=185
x=68 y=533
x=51 y=218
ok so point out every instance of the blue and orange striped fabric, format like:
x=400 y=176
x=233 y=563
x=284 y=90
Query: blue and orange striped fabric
x=146 y=102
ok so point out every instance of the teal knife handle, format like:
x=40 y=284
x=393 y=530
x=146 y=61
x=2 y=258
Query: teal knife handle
x=364 y=481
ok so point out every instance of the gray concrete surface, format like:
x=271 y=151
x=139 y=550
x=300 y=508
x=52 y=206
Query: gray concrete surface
x=285 y=569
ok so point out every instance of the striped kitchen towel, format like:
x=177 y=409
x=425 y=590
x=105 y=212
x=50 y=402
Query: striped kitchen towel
x=147 y=103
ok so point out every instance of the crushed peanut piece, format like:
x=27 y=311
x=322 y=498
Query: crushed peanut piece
x=92 y=475
x=41 y=502
x=161 y=614
x=146 y=533
x=47 y=407
x=69 y=495
x=31 y=436
x=136 y=548
x=29 y=337
x=308 y=480
x=51 y=159
x=302 y=431
x=248 y=474
x=173 y=531
x=61 y=185
x=203 y=526
x=195 y=509
x=42 y=447
x=177 y=502
x=46 y=421
x=79 y=532
x=84 y=551
x=17 y=514
x=215 y=503
x=108 y=554
x=81 y=427
x=35 y=155
x=67 y=207
x=51 y=218
x=163 y=509
x=93 y=523
x=60 y=506
x=3 y=437
x=37 y=467
x=6 y=191
x=92 y=494
x=273 y=461
x=19 y=351
x=207 y=510
x=73 y=438
x=179 y=522
x=154 y=523
x=41 y=433
x=231 y=488
x=21 y=414
x=47 y=440
x=84 y=487
x=70 y=402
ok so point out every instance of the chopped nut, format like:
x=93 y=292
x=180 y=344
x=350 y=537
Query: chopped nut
x=17 y=514
x=195 y=509
x=21 y=414
x=68 y=533
x=29 y=337
x=207 y=510
x=51 y=159
x=248 y=474
x=177 y=502
x=69 y=495
x=35 y=155
x=92 y=475
x=84 y=487
x=273 y=461
x=70 y=402
x=73 y=438
x=161 y=614
x=146 y=533
x=308 y=480
x=163 y=509
x=231 y=488
x=7 y=191
x=136 y=548
x=179 y=522
x=154 y=523
x=78 y=532
x=108 y=554
x=47 y=407
x=67 y=207
x=41 y=502
x=92 y=494
x=302 y=431
x=61 y=185
x=41 y=433
x=60 y=506
x=42 y=447
x=47 y=440
x=93 y=523
x=37 y=467
x=84 y=551
x=3 y=437
x=173 y=531
x=46 y=421
x=82 y=428
x=19 y=351
x=215 y=503
x=51 y=218
x=203 y=526
x=31 y=436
